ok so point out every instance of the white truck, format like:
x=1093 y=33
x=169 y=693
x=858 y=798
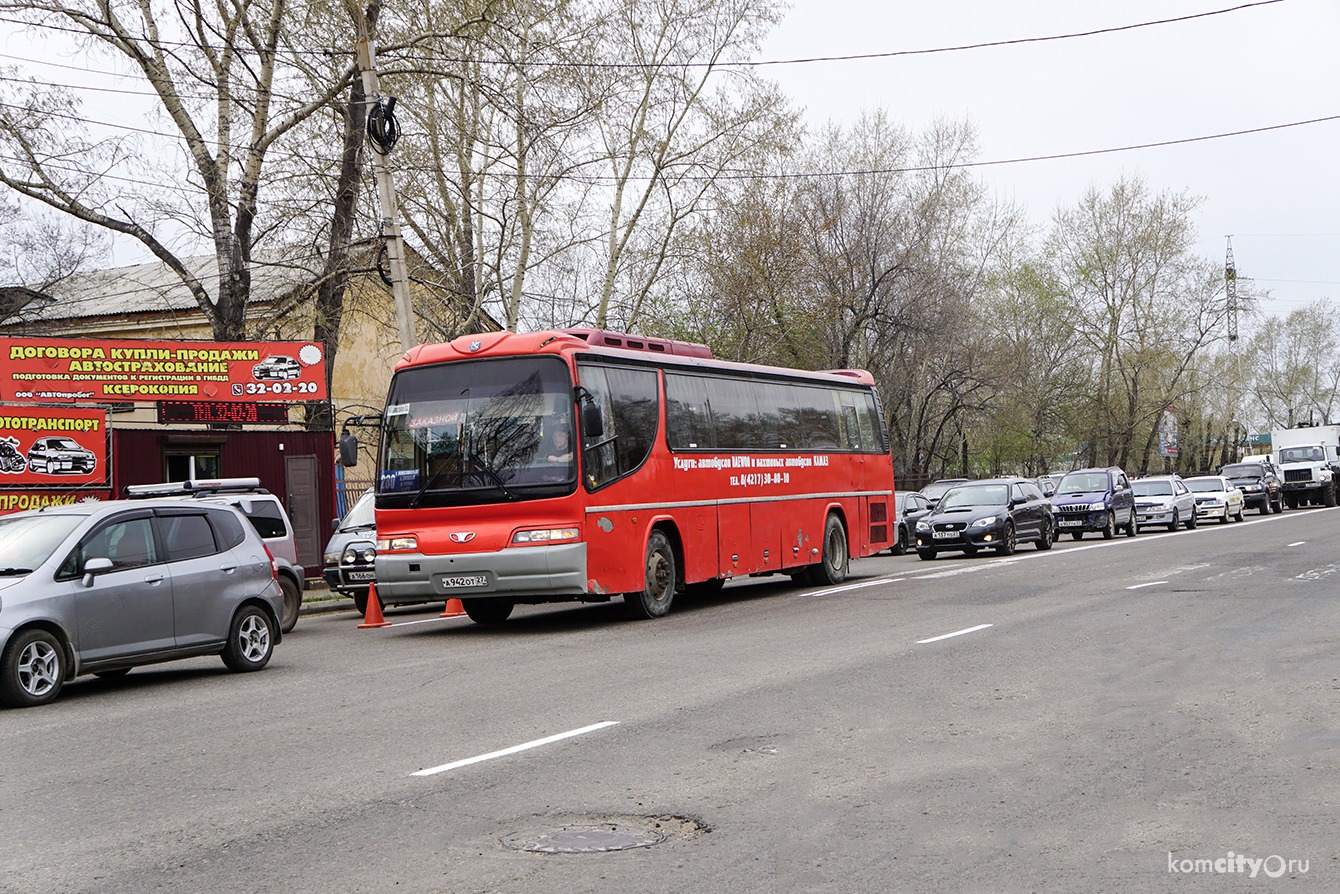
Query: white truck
x=1310 y=458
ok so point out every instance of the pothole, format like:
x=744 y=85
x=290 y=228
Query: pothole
x=596 y=836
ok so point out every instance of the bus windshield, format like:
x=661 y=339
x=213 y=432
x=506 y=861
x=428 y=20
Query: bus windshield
x=482 y=431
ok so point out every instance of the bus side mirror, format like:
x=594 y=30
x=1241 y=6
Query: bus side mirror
x=348 y=449
x=593 y=421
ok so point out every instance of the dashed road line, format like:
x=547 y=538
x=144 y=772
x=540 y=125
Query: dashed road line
x=431 y=771
x=936 y=639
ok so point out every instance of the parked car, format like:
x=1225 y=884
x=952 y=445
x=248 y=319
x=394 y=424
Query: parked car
x=102 y=587
x=908 y=506
x=277 y=366
x=267 y=516
x=1216 y=497
x=996 y=513
x=1164 y=500
x=933 y=491
x=1261 y=484
x=1047 y=483
x=1095 y=500
x=60 y=456
x=351 y=554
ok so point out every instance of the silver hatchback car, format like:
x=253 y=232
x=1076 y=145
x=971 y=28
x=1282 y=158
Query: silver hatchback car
x=101 y=587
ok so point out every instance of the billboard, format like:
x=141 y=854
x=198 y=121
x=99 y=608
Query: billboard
x=53 y=446
x=20 y=500
x=45 y=370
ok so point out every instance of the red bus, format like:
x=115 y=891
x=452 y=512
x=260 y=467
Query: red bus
x=579 y=465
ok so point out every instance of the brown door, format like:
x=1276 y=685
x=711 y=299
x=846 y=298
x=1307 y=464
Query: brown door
x=301 y=500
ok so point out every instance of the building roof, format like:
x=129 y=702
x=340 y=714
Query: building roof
x=151 y=287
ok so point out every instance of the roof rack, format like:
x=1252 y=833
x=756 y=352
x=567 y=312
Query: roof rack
x=197 y=488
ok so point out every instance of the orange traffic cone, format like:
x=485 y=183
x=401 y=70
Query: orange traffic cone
x=373 y=617
x=455 y=608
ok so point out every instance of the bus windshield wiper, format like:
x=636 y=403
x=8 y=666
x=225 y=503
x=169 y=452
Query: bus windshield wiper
x=492 y=473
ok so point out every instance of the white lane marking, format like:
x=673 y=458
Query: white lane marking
x=868 y=583
x=935 y=639
x=515 y=748
x=1152 y=583
x=428 y=620
x=1298 y=543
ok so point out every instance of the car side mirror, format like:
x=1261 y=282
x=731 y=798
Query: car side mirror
x=348 y=449
x=95 y=566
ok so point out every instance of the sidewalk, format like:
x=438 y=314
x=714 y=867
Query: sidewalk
x=318 y=599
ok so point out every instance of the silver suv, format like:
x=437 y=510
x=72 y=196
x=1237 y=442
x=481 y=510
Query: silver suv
x=101 y=587
x=267 y=516
x=351 y=554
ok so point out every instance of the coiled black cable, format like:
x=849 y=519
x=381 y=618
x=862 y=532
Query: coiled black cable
x=383 y=129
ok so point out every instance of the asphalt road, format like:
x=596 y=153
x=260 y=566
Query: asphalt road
x=1153 y=714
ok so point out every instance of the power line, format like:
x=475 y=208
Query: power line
x=764 y=62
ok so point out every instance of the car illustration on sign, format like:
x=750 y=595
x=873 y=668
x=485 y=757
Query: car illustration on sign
x=277 y=366
x=60 y=456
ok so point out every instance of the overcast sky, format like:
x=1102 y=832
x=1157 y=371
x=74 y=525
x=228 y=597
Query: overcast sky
x=1277 y=193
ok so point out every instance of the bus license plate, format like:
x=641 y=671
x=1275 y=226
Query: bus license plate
x=945 y=535
x=361 y=576
x=465 y=580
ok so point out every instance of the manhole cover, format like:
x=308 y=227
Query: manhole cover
x=592 y=837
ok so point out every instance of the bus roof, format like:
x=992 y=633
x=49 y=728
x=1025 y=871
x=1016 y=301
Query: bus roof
x=597 y=341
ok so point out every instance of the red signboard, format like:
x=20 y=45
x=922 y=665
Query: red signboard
x=123 y=370
x=19 y=500
x=50 y=446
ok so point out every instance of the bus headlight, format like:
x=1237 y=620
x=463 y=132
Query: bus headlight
x=390 y=544
x=545 y=535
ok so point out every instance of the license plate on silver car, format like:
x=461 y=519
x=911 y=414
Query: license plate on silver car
x=465 y=580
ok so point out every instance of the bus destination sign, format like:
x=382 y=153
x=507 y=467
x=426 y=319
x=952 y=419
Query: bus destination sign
x=214 y=411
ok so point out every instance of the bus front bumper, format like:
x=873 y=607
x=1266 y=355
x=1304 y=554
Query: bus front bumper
x=541 y=572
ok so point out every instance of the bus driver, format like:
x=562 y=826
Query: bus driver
x=560 y=446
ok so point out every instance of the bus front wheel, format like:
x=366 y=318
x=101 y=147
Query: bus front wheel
x=488 y=611
x=832 y=565
x=658 y=591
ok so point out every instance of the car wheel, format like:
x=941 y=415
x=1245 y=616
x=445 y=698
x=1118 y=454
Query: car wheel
x=1237 y=516
x=1226 y=516
x=1110 y=526
x=1279 y=503
x=832 y=565
x=926 y=554
x=1172 y=526
x=1132 y=528
x=250 y=642
x=1009 y=543
x=292 y=603
x=658 y=591
x=1266 y=508
x=32 y=670
x=1048 y=535
x=488 y=611
x=1192 y=519
x=1328 y=495
x=900 y=545
x=1291 y=501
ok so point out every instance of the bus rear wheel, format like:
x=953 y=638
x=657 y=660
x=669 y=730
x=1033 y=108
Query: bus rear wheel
x=653 y=601
x=488 y=611
x=832 y=565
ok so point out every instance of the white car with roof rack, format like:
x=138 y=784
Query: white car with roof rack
x=266 y=514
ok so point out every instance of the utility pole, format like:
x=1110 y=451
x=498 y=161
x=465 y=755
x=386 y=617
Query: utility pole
x=1231 y=285
x=386 y=197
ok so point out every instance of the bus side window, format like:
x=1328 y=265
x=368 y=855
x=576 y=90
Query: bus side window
x=629 y=400
x=688 y=420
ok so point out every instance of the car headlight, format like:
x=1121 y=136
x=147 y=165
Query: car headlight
x=390 y=544
x=356 y=555
x=330 y=558
x=546 y=535
x=1251 y=488
x=984 y=522
x=923 y=526
x=1097 y=507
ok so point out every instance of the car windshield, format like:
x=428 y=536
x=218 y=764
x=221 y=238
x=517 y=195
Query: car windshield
x=936 y=489
x=27 y=541
x=975 y=495
x=1205 y=485
x=475 y=432
x=361 y=515
x=1302 y=455
x=63 y=444
x=1082 y=482
x=1243 y=470
x=1155 y=488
